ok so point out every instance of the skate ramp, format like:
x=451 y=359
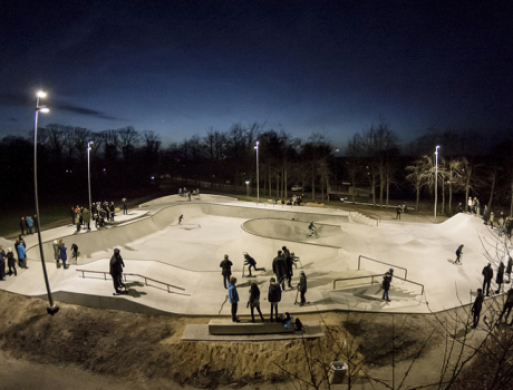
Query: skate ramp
x=288 y=230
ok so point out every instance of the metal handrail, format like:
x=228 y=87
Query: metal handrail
x=124 y=275
x=382 y=262
x=373 y=216
x=372 y=280
x=356 y=277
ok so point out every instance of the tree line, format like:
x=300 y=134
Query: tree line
x=374 y=158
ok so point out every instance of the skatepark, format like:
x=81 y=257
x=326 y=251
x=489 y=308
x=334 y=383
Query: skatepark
x=174 y=268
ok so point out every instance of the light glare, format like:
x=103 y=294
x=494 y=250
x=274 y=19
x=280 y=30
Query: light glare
x=41 y=94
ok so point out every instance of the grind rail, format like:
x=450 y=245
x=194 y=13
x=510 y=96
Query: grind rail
x=168 y=285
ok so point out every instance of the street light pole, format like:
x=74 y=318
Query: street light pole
x=257 y=173
x=436 y=177
x=52 y=308
x=89 y=174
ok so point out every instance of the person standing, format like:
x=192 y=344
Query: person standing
x=478 y=207
x=274 y=297
x=22 y=256
x=279 y=269
x=77 y=220
x=476 y=308
x=398 y=212
x=125 y=209
x=488 y=276
x=254 y=301
x=288 y=265
x=30 y=224
x=2 y=263
x=36 y=224
x=460 y=208
x=509 y=267
x=86 y=215
x=23 y=225
x=116 y=271
x=63 y=255
x=500 y=277
x=302 y=287
x=72 y=215
x=233 y=297
x=459 y=252
x=386 y=286
x=11 y=263
x=226 y=266
x=486 y=214
x=470 y=204
x=508 y=305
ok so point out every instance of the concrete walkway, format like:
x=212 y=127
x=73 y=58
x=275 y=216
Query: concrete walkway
x=154 y=245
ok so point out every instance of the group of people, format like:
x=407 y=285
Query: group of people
x=488 y=274
x=282 y=268
x=80 y=216
x=401 y=209
x=28 y=225
x=188 y=193
x=9 y=256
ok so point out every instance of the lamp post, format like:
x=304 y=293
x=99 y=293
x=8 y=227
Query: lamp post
x=257 y=173
x=52 y=308
x=89 y=174
x=247 y=188
x=436 y=177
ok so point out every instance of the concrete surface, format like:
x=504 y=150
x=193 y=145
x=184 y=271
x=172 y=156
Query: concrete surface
x=188 y=255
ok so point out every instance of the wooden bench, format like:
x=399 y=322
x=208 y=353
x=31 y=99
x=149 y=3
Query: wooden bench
x=227 y=327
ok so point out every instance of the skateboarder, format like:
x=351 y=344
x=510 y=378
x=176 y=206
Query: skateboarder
x=248 y=260
x=226 y=266
x=116 y=271
x=476 y=308
x=459 y=252
x=180 y=219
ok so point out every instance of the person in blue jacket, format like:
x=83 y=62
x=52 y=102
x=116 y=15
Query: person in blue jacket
x=22 y=256
x=30 y=224
x=233 y=296
x=62 y=253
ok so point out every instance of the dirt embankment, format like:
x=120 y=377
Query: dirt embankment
x=143 y=346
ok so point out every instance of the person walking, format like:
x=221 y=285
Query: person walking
x=279 y=269
x=22 y=255
x=63 y=255
x=23 y=225
x=11 y=263
x=500 y=277
x=180 y=219
x=509 y=267
x=387 y=279
x=302 y=287
x=30 y=224
x=459 y=252
x=488 y=276
x=233 y=297
x=116 y=266
x=254 y=301
x=476 y=308
x=250 y=262
x=2 y=263
x=226 y=266
x=274 y=297
x=508 y=305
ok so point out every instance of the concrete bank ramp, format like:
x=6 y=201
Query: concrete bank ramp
x=288 y=230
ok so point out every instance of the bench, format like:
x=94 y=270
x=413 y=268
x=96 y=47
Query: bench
x=227 y=327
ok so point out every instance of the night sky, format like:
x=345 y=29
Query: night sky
x=334 y=67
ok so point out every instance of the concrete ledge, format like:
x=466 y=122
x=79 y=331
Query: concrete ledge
x=315 y=204
x=227 y=327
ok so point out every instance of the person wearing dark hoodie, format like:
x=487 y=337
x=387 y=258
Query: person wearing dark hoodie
x=226 y=266
x=488 y=276
x=476 y=308
x=11 y=263
x=274 y=297
x=254 y=301
x=233 y=296
x=302 y=287
x=250 y=262
x=279 y=269
x=499 y=279
x=509 y=267
x=116 y=270
x=288 y=264
x=459 y=252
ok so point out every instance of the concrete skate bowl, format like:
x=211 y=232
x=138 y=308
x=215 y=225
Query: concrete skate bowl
x=203 y=198
x=111 y=237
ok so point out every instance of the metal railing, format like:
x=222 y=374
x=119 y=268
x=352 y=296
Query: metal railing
x=382 y=262
x=376 y=217
x=168 y=285
x=372 y=280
